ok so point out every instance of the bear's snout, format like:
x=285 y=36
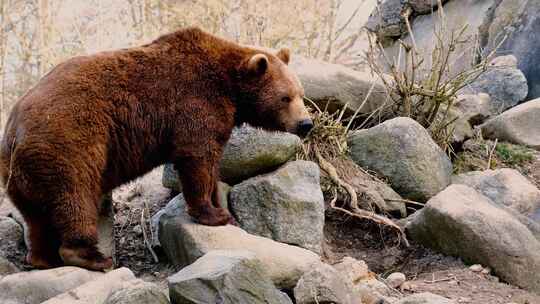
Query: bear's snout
x=303 y=127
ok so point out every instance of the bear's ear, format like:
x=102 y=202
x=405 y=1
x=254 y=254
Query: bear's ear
x=258 y=64
x=284 y=54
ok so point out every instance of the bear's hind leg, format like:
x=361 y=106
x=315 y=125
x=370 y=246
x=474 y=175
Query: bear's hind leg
x=44 y=242
x=76 y=218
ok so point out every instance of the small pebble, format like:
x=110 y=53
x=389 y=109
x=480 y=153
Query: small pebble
x=396 y=279
x=137 y=229
x=476 y=268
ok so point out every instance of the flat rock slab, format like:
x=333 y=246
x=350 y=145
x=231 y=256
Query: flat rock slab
x=425 y=298
x=225 y=277
x=37 y=286
x=461 y=222
x=519 y=125
x=95 y=291
x=184 y=241
x=137 y=292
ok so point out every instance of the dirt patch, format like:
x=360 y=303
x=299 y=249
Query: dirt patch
x=146 y=193
x=427 y=271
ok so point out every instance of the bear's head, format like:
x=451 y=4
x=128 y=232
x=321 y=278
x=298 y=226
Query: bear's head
x=269 y=95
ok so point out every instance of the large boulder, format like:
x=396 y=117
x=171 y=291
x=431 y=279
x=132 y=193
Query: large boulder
x=324 y=284
x=515 y=23
x=249 y=152
x=137 y=292
x=509 y=190
x=386 y=20
x=37 y=286
x=184 y=241
x=519 y=125
x=402 y=151
x=461 y=222
x=506 y=85
x=518 y=23
x=226 y=277
x=97 y=290
x=286 y=205
x=505 y=187
x=334 y=86
x=469 y=13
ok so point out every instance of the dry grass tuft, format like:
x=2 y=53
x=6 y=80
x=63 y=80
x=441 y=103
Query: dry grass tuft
x=326 y=144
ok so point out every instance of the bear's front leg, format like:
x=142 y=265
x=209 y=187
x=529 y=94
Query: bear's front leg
x=199 y=178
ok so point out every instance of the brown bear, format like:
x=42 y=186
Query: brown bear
x=96 y=122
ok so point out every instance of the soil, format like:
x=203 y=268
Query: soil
x=427 y=271
x=344 y=236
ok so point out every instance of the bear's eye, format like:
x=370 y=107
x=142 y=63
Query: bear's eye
x=286 y=99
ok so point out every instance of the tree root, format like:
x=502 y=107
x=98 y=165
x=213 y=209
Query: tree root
x=355 y=210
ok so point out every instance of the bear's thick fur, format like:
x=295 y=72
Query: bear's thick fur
x=96 y=122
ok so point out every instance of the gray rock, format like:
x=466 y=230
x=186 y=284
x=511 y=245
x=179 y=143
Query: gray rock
x=137 y=292
x=249 y=152
x=517 y=22
x=177 y=207
x=423 y=6
x=505 y=187
x=461 y=222
x=252 y=151
x=324 y=284
x=396 y=279
x=508 y=61
x=366 y=286
x=476 y=108
x=286 y=205
x=470 y=13
x=507 y=86
x=462 y=128
x=6 y=267
x=12 y=236
x=353 y=270
x=184 y=241
x=509 y=190
x=338 y=86
x=170 y=178
x=37 y=286
x=226 y=277
x=97 y=290
x=386 y=20
x=425 y=298
x=402 y=150
x=519 y=125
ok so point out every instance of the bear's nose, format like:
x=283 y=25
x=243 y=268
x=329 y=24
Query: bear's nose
x=304 y=127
